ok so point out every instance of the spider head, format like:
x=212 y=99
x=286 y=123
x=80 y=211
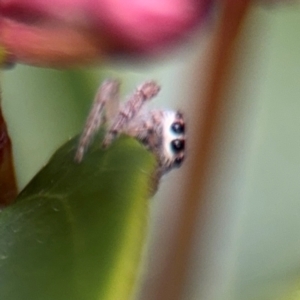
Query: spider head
x=173 y=139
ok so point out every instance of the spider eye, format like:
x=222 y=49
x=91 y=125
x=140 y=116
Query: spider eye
x=177 y=145
x=178 y=127
x=178 y=161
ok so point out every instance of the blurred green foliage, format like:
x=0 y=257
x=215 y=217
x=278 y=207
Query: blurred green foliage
x=77 y=230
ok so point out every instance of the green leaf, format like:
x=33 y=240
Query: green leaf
x=77 y=230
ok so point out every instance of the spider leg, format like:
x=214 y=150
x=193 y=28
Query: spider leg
x=130 y=109
x=108 y=91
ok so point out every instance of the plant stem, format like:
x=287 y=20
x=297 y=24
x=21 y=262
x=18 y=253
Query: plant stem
x=172 y=279
x=8 y=186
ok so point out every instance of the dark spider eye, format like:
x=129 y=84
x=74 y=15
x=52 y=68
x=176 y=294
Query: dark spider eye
x=177 y=145
x=178 y=127
x=178 y=161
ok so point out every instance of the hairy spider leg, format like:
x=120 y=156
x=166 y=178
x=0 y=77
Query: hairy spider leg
x=130 y=109
x=107 y=92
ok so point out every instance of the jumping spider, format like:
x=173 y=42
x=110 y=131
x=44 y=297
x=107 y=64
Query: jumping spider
x=162 y=132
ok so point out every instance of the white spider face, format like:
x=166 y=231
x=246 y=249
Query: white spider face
x=173 y=139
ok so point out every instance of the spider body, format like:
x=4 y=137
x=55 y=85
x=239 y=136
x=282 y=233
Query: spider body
x=162 y=132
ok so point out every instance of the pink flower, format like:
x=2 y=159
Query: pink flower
x=69 y=32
